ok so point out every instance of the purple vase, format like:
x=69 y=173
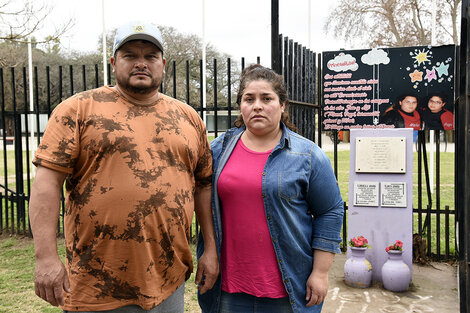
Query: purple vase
x=357 y=269
x=396 y=275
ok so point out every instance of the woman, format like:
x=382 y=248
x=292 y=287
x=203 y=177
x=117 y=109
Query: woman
x=277 y=208
x=435 y=116
x=403 y=115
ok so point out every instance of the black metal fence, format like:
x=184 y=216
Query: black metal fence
x=51 y=85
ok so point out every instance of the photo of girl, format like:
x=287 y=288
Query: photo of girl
x=434 y=114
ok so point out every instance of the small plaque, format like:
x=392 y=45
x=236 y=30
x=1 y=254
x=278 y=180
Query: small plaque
x=393 y=195
x=381 y=155
x=366 y=194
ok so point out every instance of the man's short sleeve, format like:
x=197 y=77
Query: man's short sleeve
x=59 y=146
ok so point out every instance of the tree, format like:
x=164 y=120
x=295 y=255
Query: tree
x=392 y=23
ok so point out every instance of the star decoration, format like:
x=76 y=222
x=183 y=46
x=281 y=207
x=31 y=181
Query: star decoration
x=421 y=57
x=430 y=75
x=442 y=69
x=416 y=76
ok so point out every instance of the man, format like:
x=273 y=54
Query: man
x=136 y=164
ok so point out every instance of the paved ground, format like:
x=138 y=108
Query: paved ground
x=433 y=289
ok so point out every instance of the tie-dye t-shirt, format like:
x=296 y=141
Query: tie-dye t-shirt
x=129 y=195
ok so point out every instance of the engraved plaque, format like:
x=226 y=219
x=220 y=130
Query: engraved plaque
x=366 y=193
x=393 y=195
x=381 y=155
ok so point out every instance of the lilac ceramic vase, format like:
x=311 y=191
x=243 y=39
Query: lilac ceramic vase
x=357 y=269
x=396 y=275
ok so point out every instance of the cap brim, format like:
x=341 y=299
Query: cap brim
x=140 y=36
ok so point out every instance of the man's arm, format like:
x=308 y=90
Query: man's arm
x=50 y=277
x=317 y=283
x=208 y=265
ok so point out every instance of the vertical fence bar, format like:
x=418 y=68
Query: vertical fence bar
x=215 y=100
x=229 y=93
x=285 y=65
x=5 y=156
x=61 y=91
x=447 y=232
x=109 y=73
x=201 y=90
x=438 y=198
x=313 y=76
x=427 y=221
x=188 y=94
x=62 y=202
x=291 y=65
x=18 y=154
x=71 y=80
x=304 y=79
x=299 y=72
x=295 y=93
x=26 y=128
x=36 y=103
x=174 y=79
x=420 y=187
x=84 y=77
x=258 y=60
x=97 y=76
x=243 y=63
x=48 y=84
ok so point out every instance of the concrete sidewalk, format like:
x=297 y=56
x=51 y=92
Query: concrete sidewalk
x=434 y=289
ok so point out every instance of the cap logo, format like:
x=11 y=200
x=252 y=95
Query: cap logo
x=139 y=29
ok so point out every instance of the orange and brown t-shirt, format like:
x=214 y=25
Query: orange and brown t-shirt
x=129 y=195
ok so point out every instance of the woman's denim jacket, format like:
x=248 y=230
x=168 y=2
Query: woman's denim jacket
x=304 y=210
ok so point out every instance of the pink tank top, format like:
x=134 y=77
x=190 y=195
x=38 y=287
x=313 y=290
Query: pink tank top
x=248 y=260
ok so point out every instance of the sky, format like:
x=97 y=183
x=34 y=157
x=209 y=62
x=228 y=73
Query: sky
x=239 y=28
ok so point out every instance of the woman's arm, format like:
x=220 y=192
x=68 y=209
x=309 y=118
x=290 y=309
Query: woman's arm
x=317 y=283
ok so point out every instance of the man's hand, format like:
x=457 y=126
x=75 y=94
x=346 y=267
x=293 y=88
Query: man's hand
x=207 y=271
x=50 y=281
x=317 y=288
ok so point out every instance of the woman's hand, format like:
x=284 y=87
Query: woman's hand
x=317 y=283
x=317 y=288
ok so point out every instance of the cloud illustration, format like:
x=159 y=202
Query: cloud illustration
x=342 y=63
x=375 y=57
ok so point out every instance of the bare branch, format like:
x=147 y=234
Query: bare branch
x=19 y=21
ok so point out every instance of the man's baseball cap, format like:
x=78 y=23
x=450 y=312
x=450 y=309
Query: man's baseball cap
x=137 y=31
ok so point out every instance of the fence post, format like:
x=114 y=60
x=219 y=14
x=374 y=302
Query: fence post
x=462 y=166
x=275 y=49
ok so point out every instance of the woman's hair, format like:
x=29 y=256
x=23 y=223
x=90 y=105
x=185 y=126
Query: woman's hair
x=257 y=72
x=396 y=105
x=440 y=95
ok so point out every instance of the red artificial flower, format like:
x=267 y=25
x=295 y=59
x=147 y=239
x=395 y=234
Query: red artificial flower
x=359 y=242
x=398 y=245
